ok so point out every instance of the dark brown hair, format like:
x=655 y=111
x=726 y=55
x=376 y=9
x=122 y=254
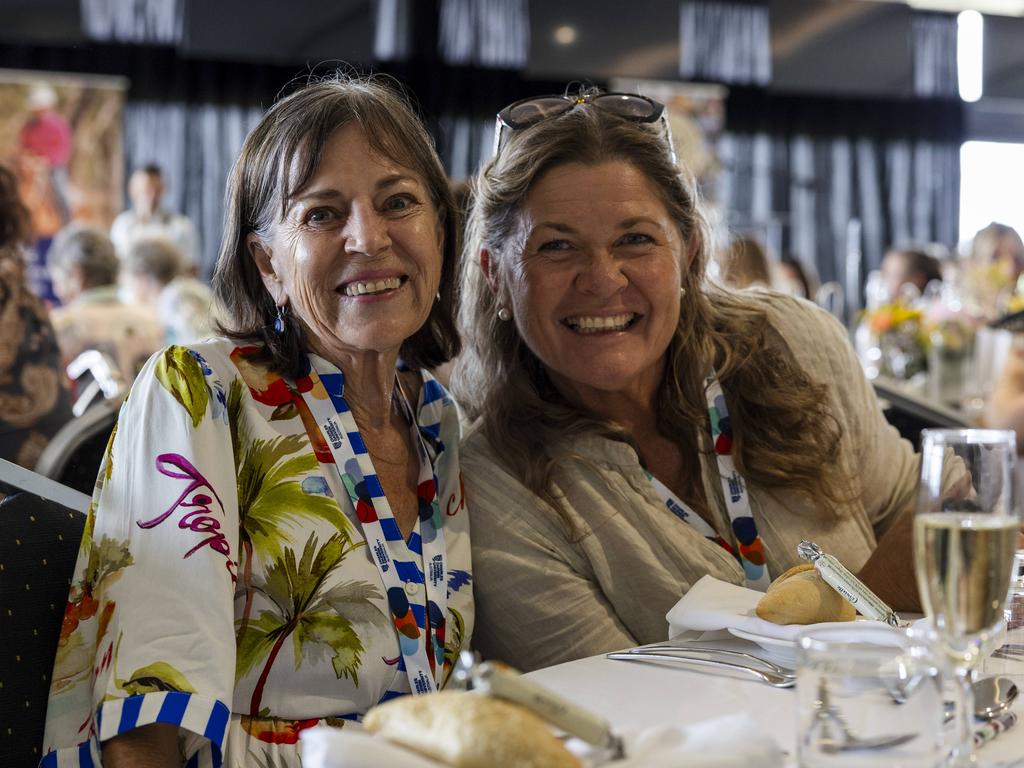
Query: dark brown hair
x=15 y=221
x=279 y=157
x=785 y=434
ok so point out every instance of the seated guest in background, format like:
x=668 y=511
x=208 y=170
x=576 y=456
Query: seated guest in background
x=744 y=264
x=1001 y=246
x=791 y=278
x=34 y=399
x=906 y=272
x=84 y=269
x=616 y=394
x=155 y=281
x=147 y=219
x=276 y=572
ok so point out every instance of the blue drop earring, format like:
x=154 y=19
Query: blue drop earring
x=279 y=322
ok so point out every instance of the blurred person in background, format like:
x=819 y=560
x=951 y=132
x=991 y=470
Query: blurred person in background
x=147 y=219
x=154 y=278
x=902 y=267
x=34 y=398
x=1000 y=246
x=744 y=264
x=791 y=278
x=84 y=268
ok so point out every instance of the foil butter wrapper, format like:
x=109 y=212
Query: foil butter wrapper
x=836 y=575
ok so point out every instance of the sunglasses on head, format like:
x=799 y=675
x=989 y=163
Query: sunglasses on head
x=528 y=112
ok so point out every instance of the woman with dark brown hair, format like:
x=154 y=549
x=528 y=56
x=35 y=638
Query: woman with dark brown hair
x=278 y=536
x=637 y=428
x=34 y=399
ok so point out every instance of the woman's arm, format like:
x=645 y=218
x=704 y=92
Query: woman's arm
x=151 y=746
x=889 y=572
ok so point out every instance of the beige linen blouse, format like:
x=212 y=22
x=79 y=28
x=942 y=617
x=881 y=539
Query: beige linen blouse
x=545 y=597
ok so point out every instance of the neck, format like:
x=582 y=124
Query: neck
x=369 y=382
x=632 y=407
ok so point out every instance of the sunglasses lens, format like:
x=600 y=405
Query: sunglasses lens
x=527 y=113
x=628 y=106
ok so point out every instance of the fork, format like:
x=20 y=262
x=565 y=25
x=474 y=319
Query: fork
x=669 y=647
x=765 y=676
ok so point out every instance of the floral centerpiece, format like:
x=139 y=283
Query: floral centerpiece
x=900 y=348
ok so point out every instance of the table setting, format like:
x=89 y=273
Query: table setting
x=737 y=683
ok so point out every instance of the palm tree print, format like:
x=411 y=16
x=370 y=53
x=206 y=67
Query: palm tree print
x=270 y=492
x=316 y=620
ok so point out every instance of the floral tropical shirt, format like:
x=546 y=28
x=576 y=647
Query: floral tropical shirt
x=223 y=583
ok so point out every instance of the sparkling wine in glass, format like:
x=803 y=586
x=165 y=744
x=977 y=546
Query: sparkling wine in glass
x=965 y=539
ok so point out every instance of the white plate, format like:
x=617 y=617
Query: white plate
x=780 y=651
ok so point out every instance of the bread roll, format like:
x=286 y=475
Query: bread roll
x=469 y=730
x=801 y=596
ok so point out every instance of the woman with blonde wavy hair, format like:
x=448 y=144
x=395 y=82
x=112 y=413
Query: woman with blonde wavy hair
x=635 y=427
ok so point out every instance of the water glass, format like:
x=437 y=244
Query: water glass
x=868 y=695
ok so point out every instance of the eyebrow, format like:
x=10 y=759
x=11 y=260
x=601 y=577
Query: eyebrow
x=330 y=193
x=569 y=230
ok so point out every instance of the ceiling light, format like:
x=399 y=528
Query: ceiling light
x=988 y=7
x=970 y=37
x=565 y=35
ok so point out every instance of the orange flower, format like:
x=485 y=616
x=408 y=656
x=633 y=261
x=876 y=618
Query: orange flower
x=275 y=731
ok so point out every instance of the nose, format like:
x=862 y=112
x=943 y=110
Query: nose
x=602 y=276
x=366 y=231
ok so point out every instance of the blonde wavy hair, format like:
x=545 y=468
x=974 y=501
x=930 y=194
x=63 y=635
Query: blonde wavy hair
x=784 y=433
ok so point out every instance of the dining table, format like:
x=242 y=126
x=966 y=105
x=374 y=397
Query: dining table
x=636 y=695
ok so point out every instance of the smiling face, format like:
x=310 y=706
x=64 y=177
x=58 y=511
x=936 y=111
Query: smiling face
x=357 y=257
x=595 y=290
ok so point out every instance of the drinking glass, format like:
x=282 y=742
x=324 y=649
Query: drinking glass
x=868 y=695
x=965 y=538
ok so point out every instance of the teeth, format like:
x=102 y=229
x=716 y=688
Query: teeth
x=373 y=286
x=585 y=324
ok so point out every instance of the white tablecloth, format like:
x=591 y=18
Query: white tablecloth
x=634 y=695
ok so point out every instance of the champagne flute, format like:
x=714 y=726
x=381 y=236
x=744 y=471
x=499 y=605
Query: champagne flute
x=965 y=539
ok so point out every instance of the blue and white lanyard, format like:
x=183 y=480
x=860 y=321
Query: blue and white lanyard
x=401 y=576
x=751 y=554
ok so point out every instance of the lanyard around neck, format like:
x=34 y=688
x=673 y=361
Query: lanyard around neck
x=751 y=554
x=420 y=624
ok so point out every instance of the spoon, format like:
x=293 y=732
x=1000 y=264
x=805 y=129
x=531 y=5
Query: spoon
x=992 y=697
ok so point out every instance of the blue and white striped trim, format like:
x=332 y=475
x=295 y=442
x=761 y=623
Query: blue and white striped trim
x=199 y=714
x=84 y=755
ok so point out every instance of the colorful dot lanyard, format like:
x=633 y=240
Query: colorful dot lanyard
x=751 y=553
x=420 y=624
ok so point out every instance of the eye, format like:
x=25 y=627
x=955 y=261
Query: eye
x=399 y=203
x=555 y=246
x=636 y=238
x=321 y=216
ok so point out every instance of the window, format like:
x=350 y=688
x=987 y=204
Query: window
x=991 y=186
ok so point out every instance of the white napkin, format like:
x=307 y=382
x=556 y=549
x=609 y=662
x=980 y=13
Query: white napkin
x=348 y=747
x=713 y=605
x=733 y=741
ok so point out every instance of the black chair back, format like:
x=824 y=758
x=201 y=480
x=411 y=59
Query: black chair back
x=38 y=549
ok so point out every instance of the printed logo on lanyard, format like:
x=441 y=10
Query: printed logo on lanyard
x=412 y=571
x=751 y=554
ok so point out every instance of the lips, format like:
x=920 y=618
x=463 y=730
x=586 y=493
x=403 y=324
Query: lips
x=588 y=324
x=372 y=287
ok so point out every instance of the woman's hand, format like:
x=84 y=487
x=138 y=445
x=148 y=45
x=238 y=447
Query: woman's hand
x=149 y=746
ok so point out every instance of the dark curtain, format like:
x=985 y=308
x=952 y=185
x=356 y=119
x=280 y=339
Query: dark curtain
x=833 y=175
x=933 y=45
x=725 y=42
x=487 y=33
x=133 y=21
x=195 y=146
